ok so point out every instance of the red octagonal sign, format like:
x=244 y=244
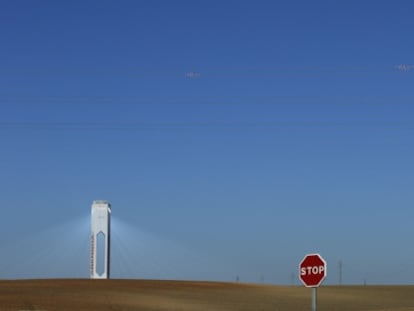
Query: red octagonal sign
x=312 y=270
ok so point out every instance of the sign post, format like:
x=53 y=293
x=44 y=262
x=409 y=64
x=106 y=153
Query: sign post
x=312 y=271
x=314 y=298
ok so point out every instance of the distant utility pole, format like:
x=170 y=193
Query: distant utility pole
x=293 y=278
x=340 y=266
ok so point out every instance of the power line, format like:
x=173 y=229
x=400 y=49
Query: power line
x=207 y=125
x=159 y=100
x=182 y=72
x=222 y=71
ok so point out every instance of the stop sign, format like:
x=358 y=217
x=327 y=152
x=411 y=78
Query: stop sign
x=312 y=270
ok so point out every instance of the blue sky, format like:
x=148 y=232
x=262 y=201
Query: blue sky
x=295 y=136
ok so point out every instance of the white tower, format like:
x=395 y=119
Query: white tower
x=100 y=239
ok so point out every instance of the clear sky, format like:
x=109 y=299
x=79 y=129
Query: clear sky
x=231 y=137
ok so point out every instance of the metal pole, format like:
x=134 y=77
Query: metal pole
x=314 y=298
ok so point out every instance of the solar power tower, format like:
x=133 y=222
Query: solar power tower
x=100 y=239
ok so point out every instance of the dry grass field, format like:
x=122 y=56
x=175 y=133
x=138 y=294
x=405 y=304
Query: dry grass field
x=125 y=295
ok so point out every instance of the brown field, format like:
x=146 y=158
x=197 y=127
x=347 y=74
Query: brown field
x=120 y=295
